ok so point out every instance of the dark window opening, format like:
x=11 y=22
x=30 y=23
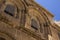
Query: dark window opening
x=34 y=27
x=8 y=13
x=34 y=24
x=2 y=38
x=10 y=9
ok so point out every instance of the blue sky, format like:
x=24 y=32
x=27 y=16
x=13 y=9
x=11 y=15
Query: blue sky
x=52 y=6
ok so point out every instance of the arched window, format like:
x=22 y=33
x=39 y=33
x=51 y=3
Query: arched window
x=10 y=9
x=34 y=24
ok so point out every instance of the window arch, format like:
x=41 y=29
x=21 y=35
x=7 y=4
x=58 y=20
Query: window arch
x=34 y=24
x=10 y=9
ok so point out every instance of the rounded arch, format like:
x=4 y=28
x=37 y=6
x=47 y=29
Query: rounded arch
x=32 y=11
x=34 y=14
x=17 y=3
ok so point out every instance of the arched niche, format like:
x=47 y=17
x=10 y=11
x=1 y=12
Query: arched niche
x=34 y=24
x=34 y=14
x=14 y=9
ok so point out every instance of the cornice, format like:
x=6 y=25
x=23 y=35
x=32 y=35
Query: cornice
x=46 y=13
x=38 y=5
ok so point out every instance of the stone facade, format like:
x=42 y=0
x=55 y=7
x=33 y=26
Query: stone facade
x=26 y=20
x=55 y=30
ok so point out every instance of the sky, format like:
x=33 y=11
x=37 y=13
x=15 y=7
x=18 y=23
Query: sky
x=52 y=6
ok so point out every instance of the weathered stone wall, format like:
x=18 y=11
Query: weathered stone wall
x=18 y=26
x=9 y=33
x=54 y=32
